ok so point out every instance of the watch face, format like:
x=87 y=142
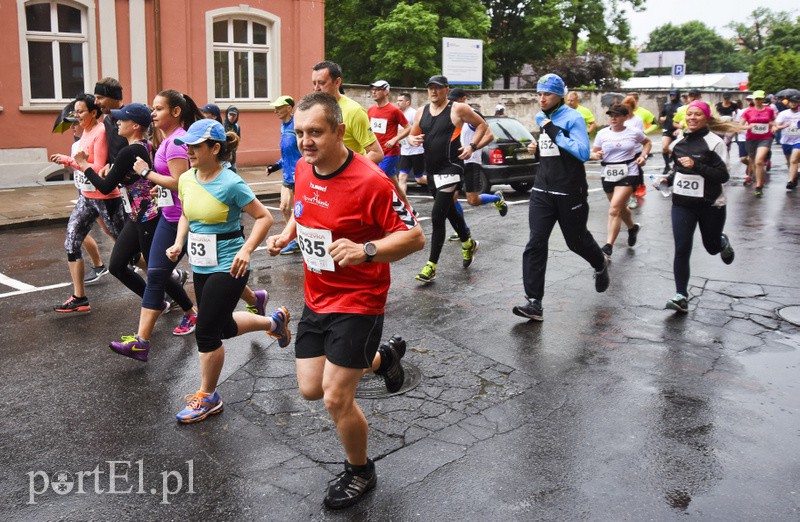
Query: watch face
x=370 y=249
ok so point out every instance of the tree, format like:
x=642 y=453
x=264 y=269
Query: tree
x=406 y=65
x=350 y=41
x=591 y=70
x=588 y=17
x=520 y=30
x=776 y=71
x=706 y=51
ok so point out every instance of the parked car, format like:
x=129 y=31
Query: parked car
x=506 y=160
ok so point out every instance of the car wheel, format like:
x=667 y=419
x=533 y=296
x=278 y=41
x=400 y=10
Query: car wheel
x=522 y=186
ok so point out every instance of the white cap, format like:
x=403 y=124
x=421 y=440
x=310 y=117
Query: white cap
x=380 y=84
x=499 y=107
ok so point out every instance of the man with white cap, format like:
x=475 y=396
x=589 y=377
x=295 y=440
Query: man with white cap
x=390 y=126
x=559 y=195
x=500 y=110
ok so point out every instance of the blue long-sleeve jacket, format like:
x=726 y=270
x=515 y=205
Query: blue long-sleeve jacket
x=290 y=154
x=563 y=148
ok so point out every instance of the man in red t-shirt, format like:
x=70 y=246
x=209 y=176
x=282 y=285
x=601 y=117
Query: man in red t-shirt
x=350 y=224
x=390 y=126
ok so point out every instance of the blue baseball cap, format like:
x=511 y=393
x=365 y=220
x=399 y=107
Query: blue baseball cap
x=202 y=130
x=551 y=83
x=212 y=109
x=136 y=112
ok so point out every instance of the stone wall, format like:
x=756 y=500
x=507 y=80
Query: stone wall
x=524 y=104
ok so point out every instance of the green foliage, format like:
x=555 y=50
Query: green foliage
x=776 y=71
x=406 y=65
x=359 y=34
x=766 y=32
x=706 y=51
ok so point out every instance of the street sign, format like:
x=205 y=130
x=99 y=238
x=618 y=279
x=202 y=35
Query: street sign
x=679 y=70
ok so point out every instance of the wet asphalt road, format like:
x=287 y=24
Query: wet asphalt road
x=611 y=409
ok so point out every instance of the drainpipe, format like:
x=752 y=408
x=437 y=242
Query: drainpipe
x=157 y=41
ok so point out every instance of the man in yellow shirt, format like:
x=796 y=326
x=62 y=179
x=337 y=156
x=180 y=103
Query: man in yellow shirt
x=572 y=100
x=326 y=76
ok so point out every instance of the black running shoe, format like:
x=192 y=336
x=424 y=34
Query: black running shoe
x=74 y=305
x=349 y=487
x=601 y=279
x=727 y=252
x=391 y=368
x=530 y=310
x=607 y=249
x=633 y=234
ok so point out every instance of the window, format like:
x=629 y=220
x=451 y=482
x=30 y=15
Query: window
x=55 y=51
x=244 y=56
x=241 y=58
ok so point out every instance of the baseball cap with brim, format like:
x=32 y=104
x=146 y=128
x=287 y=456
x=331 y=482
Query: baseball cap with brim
x=136 y=112
x=439 y=80
x=794 y=98
x=748 y=97
x=281 y=101
x=456 y=94
x=202 y=130
x=212 y=109
x=694 y=92
x=71 y=118
x=617 y=110
x=380 y=84
x=499 y=107
x=759 y=94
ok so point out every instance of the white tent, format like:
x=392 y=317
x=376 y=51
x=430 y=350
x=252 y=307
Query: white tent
x=717 y=81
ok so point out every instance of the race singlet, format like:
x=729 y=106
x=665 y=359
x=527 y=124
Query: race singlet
x=547 y=147
x=614 y=173
x=202 y=249
x=314 y=243
x=689 y=185
x=165 y=200
x=760 y=128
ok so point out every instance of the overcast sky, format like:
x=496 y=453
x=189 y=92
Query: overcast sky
x=714 y=13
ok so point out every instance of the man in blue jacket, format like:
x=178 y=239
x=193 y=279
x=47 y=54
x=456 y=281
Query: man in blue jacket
x=559 y=194
x=290 y=154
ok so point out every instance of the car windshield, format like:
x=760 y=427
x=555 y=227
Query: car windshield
x=509 y=129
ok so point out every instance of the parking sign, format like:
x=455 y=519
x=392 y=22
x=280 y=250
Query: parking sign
x=679 y=70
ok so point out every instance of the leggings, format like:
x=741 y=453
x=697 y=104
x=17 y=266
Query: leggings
x=159 y=269
x=217 y=296
x=82 y=219
x=137 y=237
x=571 y=212
x=684 y=221
x=444 y=209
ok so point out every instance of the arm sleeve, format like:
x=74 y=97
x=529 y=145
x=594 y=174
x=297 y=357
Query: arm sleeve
x=241 y=193
x=362 y=130
x=401 y=118
x=175 y=151
x=124 y=164
x=577 y=143
x=713 y=167
x=389 y=211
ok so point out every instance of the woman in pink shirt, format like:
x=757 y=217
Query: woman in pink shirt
x=91 y=203
x=758 y=120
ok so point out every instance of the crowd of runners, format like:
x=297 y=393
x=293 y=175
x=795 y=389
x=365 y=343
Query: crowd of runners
x=162 y=182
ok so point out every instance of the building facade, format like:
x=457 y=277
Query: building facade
x=217 y=51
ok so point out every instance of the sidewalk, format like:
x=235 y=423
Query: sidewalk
x=52 y=203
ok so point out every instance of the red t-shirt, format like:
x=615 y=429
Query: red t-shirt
x=385 y=121
x=762 y=117
x=357 y=202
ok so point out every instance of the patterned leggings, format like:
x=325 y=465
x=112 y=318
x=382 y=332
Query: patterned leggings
x=82 y=220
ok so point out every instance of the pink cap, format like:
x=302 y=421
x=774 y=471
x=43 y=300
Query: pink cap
x=703 y=106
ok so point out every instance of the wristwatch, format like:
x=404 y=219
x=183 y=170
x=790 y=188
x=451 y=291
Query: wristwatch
x=145 y=172
x=370 y=250
x=474 y=147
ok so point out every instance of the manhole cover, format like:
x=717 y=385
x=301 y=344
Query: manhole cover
x=373 y=387
x=791 y=314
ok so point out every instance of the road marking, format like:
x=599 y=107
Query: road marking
x=13 y=283
x=35 y=289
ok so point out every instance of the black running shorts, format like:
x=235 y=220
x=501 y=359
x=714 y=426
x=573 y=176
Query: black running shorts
x=348 y=340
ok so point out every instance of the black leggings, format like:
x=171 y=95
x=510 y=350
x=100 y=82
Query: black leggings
x=684 y=222
x=137 y=237
x=445 y=209
x=217 y=296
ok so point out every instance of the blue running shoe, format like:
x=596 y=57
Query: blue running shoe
x=281 y=332
x=200 y=406
x=291 y=248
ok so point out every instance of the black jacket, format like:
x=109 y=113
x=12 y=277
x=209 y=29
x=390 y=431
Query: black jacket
x=708 y=152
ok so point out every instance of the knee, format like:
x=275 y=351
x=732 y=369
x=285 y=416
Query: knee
x=473 y=199
x=117 y=266
x=614 y=212
x=310 y=391
x=337 y=403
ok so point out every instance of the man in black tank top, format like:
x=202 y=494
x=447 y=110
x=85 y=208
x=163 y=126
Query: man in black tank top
x=438 y=127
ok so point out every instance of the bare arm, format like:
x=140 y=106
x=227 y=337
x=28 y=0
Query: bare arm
x=277 y=242
x=374 y=152
x=463 y=113
x=393 y=247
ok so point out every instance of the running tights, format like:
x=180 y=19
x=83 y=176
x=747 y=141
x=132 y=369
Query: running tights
x=444 y=209
x=684 y=222
x=217 y=296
